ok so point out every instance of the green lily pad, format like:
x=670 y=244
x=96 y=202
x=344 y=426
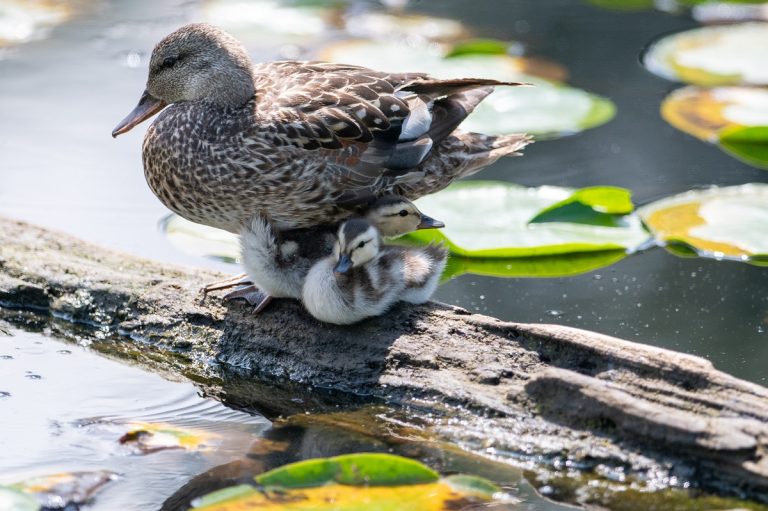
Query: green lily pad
x=710 y=56
x=377 y=482
x=546 y=266
x=492 y=219
x=749 y=145
x=12 y=499
x=597 y=205
x=479 y=47
x=723 y=223
x=353 y=469
x=201 y=240
x=547 y=110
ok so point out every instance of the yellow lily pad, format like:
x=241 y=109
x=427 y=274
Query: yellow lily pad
x=705 y=113
x=147 y=437
x=392 y=26
x=268 y=23
x=22 y=21
x=710 y=56
x=376 y=482
x=724 y=223
x=62 y=490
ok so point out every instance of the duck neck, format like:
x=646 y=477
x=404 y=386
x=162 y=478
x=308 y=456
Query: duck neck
x=233 y=90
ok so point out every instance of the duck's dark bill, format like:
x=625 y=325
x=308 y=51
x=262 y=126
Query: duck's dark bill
x=147 y=107
x=429 y=223
x=344 y=264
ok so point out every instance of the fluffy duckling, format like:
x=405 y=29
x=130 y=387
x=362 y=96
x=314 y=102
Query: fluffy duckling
x=278 y=262
x=363 y=278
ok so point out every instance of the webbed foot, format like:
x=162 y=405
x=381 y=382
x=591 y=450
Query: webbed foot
x=252 y=295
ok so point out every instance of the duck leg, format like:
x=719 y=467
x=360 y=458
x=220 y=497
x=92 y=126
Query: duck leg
x=237 y=280
x=252 y=295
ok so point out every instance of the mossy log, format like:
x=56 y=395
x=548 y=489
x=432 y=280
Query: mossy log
x=545 y=394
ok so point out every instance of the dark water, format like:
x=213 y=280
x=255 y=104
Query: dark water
x=61 y=96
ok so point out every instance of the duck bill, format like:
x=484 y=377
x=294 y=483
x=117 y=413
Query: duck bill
x=427 y=222
x=147 y=107
x=344 y=265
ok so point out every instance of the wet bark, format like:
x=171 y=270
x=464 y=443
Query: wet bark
x=547 y=394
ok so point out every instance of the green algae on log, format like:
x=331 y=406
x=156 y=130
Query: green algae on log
x=544 y=394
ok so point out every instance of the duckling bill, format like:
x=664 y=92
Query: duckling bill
x=308 y=142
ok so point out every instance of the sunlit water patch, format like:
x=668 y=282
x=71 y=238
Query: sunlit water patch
x=65 y=408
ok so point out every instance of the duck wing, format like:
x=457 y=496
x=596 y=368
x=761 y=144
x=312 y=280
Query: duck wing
x=372 y=128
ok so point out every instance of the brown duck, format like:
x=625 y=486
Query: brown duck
x=305 y=143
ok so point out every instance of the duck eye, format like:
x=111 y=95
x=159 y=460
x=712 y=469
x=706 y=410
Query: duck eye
x=403 y=212
x=361 y=244
x=170 y=61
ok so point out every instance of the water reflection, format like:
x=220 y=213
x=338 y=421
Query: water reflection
x=72 y=414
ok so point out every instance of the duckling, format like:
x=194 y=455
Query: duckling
x=363 y=278
x=278 y=262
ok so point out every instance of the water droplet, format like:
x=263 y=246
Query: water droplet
x=6 y=357
x=33 y=376
x=64 y=352
x=4 y=394
x=546 y=490
x=555 y=313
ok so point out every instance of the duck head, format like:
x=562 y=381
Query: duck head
x=198 y=62
x=395 y=215
x=357 y=243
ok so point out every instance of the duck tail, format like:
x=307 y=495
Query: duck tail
x=459 y=155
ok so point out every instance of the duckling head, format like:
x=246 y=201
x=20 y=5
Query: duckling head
x=395 y=215
x=358 y=242
x=196 y=62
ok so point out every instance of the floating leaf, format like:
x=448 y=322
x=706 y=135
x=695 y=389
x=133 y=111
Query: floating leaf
x=390 y=26
x=747 y=144
x=266 y=23
x=717 y=55
x=376 y=482
x=704 y=113
x=22 y=21
x=12 y=499
x=491 y=219
x=547 y=110
x=624 y=5
x=562 y=265
x=596 y=205
x=729 y=222
x=479 y=47
x=147 y=437
x=66 y=489
x=352 y=469
x=201 y=240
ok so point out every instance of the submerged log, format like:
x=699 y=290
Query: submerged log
x=543 y=394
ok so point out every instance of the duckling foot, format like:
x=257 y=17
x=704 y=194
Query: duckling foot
x=252 y=295
x=238 y=280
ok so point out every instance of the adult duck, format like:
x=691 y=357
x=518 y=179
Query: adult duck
x=308 y=142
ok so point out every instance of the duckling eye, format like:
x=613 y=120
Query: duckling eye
x=169 y=61
x=361 y=244
x=403 y=212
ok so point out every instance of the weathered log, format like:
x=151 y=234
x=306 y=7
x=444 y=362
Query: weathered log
x=546 y=394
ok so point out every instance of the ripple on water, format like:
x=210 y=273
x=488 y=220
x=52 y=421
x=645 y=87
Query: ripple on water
x=73 y=418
